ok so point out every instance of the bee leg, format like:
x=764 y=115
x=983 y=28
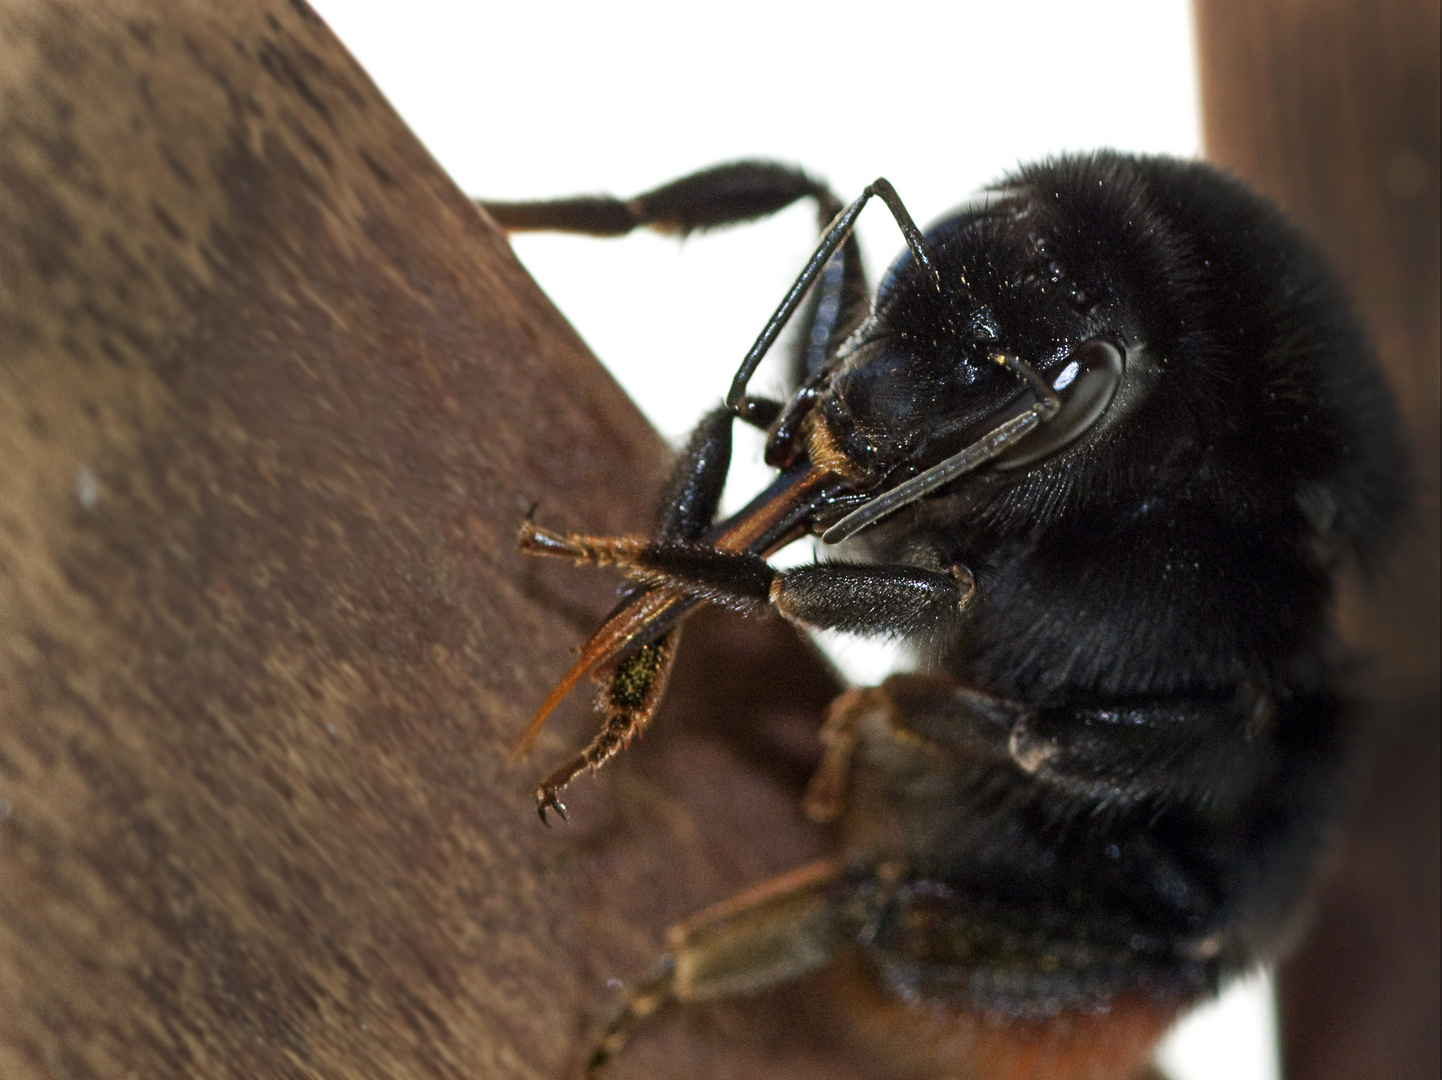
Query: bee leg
x=1232 y=749
x=693 y=490
x=632 y=687
x=630 y=692
x=859 y=598
x=769 y=934
x=896 y=600
x=826 y=793
x=727 y=194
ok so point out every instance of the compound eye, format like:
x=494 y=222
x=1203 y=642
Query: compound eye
x=1087 y=383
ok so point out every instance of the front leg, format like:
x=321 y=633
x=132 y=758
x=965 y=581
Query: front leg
x=895 y=600
x=693 y=490
x=632 y=686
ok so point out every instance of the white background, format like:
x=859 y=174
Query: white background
x=541 y=99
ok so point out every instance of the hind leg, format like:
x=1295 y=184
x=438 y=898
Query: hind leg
x=777 y=931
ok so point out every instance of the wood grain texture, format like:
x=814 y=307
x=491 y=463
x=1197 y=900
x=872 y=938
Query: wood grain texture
x=273 y=400
x=1332 y=108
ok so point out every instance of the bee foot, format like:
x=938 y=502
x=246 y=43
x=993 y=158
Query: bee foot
x=548 y=798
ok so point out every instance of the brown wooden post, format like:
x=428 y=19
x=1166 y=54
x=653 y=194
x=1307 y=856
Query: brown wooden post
x=273 y=400
x=1332 y=108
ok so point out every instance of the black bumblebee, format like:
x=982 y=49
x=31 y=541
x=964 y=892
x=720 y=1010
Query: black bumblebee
x=1098 y=446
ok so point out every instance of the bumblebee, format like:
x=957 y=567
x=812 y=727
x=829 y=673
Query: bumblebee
x=1098 y=446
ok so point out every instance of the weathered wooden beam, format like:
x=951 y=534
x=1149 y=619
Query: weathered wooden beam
x=273 y=401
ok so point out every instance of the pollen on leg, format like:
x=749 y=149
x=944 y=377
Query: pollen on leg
x=630 y=693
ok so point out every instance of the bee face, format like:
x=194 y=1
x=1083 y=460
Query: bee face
x=926 y=375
